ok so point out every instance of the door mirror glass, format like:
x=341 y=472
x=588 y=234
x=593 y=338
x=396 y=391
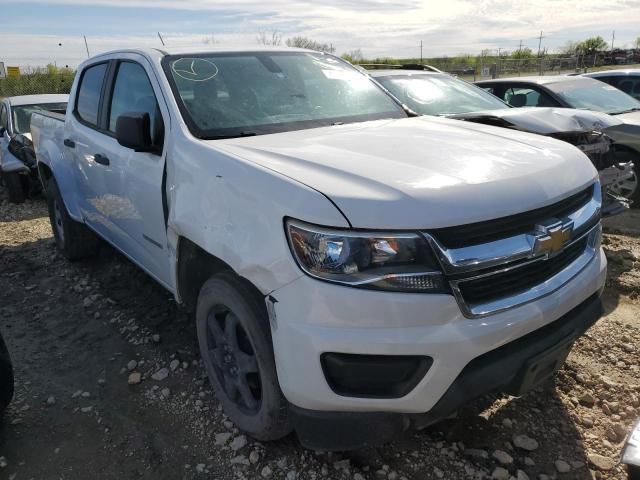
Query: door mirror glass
x=133 y=131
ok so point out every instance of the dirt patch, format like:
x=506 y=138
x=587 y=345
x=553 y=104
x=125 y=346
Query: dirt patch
x=78 y=331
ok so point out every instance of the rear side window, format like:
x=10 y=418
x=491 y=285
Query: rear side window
x=89 y=93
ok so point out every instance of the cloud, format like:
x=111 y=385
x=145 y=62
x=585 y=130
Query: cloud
x=377 y=27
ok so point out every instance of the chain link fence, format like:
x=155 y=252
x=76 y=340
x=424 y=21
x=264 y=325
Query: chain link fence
x=36 y=83
x=508 y=67
x=494 y=67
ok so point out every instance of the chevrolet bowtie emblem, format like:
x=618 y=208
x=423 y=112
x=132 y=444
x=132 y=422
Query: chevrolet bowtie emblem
x=552 y=236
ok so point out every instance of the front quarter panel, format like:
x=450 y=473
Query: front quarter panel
x=235 y=210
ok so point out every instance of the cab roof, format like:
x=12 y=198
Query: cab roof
x=196 y=49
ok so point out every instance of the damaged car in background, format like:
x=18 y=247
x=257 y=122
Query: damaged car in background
x=17 y=157
x=584 y=94
x=437 y=93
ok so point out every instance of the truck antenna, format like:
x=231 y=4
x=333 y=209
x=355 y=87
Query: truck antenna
x=86 y=45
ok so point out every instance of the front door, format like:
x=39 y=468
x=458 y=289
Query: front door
x=133 y=181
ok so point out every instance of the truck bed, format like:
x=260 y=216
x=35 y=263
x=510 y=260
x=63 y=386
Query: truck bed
x=47 y=134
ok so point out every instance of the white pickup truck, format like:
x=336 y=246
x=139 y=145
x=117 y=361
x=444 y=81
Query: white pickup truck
x=354 y=272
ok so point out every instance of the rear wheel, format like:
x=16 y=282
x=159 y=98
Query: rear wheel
x=16 y=187
x=74 y=239
x=235 y=343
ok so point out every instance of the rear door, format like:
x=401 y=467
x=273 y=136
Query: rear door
x=82 y=142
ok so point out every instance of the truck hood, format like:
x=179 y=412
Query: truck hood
x=422 y=172
x=545 y=121
x=631 y=118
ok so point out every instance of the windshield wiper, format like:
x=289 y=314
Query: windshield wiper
x=634 y=109
x=234 y=135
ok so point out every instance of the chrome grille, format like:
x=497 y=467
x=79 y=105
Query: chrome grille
x=511 y=269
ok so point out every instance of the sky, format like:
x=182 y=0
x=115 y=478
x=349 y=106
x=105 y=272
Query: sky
x=38 y=32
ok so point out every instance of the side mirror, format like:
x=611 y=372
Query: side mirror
x=2 y=130
x=133 y=130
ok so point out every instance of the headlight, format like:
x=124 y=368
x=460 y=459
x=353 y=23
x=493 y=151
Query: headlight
x=400 y=262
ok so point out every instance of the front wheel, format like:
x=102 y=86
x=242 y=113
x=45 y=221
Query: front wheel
x=236 y=348
x=74 y=239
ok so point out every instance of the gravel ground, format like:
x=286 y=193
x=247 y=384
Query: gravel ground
x=110 y=385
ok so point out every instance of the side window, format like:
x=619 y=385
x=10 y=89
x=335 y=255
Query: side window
x=4 y=117
x=610 y=80
x=636 y=88
x=625 y=84
x=132 y=92
x=88 y=99
x=528 y=97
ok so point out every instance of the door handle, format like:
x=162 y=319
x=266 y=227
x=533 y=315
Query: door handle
x=69 y=143
x=101 y=159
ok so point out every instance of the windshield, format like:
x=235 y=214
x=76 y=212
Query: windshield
x=237 y=94
x=594 y=95
x=439 y=94
x=21 y=114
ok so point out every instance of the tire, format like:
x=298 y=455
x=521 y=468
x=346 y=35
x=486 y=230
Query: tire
x=74 y=239
x=635 y=197
x=15 y=187
x=235 y=342
x=6 y=377
x=629 y=188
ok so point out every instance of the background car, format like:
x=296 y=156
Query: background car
x=627 y=80
x=17 y=159
x=432 y=93
x=585 y=94
x=6 y=377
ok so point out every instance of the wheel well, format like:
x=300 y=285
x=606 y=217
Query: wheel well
x=45 y=174
x=196 y=266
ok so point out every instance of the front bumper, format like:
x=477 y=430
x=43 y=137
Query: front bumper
x=502 y=370
x=310 y=317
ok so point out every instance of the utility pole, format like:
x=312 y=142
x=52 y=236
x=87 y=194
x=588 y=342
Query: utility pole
x=540 y=43
x=520 y=47
x=86 y=45
x=613 y=37
x=161 y=40
x=420 y=52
